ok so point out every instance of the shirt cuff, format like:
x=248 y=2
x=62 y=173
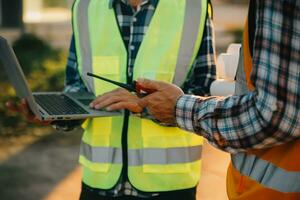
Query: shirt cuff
x=184 y=112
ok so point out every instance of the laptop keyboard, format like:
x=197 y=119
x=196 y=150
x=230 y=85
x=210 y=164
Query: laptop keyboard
x=58 y=104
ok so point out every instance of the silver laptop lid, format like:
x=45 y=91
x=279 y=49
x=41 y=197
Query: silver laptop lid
x=16 y=75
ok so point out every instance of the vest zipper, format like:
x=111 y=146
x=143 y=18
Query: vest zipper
x=124 y=143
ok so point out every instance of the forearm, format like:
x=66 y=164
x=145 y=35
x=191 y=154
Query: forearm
x=237 y=123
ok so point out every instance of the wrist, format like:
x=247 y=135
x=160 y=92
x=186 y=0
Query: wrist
x=184 y=114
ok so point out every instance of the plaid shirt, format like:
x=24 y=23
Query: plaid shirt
x=271 y=114
x=133 y=25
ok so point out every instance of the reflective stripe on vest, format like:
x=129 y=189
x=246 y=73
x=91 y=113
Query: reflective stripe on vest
x=138 y=157
x=166 y=156
x=187 y=44
x=84 y=42
x=153 y=164
x=266 y=173
x=101 y=154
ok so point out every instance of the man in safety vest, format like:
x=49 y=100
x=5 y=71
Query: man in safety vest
x=133 y=157
x=260 y=124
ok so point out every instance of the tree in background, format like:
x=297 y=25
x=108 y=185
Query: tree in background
x=10 y=7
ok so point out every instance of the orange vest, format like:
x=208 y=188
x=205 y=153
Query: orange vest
x=272 y=173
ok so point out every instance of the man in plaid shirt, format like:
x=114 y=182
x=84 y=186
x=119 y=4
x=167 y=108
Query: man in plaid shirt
x=265 y=120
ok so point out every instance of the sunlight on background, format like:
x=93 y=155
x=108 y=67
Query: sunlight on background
x=35 y=11
x=68 y=188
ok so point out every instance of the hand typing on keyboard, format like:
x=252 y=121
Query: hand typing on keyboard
x=116 y=99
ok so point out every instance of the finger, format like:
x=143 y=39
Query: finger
x=25 y=108
x=150 y=84
x=36 y=120
x=132 y=106
x=107 y=95
x=108 y=101
x=99 y=99
x=26 y=111
x=11 y=106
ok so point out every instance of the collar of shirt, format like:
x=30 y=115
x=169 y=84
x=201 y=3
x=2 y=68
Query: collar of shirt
x=144 y=2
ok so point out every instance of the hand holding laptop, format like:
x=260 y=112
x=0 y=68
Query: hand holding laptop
x=23 y=108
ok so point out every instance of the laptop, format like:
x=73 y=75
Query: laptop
x=48 y=105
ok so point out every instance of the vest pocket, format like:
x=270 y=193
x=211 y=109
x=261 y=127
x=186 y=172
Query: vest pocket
x=95 y=151
x=108 y=67
x=98 y=131
x=95 y=167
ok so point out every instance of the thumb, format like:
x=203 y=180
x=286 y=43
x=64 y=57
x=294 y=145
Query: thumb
x=149 y=84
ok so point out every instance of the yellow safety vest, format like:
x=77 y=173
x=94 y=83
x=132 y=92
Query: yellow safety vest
x=272 y=173
x=159 y=158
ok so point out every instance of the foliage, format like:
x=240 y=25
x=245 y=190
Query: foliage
x=44 y=69
x=32 y=52
x=55 y=3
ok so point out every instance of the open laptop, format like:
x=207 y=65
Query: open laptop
x=48 y=105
